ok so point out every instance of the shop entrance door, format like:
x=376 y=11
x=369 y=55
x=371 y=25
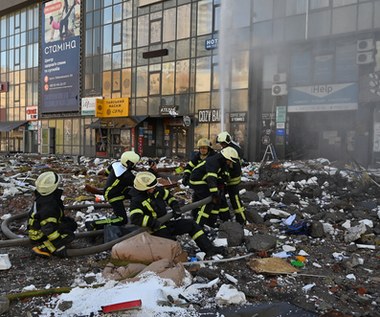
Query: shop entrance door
x=178 y=141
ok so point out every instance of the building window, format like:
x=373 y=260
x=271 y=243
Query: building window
x=154 y=83
x=262 y=10
x=204 y=14
x=300 y=68
x=240 y=70
x=143 y=32
x=319 y=23
x=365 y=16
x=346 y=69
x=168 y=75
x=339 y=3
x=295 y=7
x=182 y=76
x=318 y=4
x=183 y=27
x=344 y=19
x=169 y=25
x=323 y=69
x=203 y=74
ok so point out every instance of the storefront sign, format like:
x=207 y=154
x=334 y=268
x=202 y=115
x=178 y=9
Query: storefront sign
x=281 y=114
x=169 y=110
x=238 y=117
x=115 y=107
x=60 y=47
x=211 y=44
x=208 y=115
x=89 y=106
x=323 y=97
x=31 y=113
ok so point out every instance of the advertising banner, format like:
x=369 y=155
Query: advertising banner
x=323 y=97
x=60 y=56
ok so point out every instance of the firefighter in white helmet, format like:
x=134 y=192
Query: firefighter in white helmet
x=119 y=181
x=204 y=150
x=49 y=230
x=148 y=204
x=232 y=185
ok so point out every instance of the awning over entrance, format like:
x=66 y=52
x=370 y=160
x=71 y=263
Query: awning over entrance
x=11 y=125
x=118 y=123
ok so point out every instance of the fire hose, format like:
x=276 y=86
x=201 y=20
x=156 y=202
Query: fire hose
x=98 y=248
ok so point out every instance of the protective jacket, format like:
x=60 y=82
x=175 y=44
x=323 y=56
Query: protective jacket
x=235 y=172
x=232 y=189
x=197 y=159
x=146 y=208
x=47 y=223
x=119 y=182
x=210 y=174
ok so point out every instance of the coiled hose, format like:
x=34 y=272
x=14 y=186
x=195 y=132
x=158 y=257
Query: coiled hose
x=16 y=241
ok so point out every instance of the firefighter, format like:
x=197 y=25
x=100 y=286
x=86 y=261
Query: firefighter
x=148 y=203
x=207 y=179
x=119 y=181
x=49 y=230
x=232 y=185
x=204 y=150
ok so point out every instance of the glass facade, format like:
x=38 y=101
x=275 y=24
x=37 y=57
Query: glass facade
x=209 y=63
x=19 y=56
x=317 y=59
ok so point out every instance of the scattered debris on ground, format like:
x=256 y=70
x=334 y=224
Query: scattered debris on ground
x=313 y=238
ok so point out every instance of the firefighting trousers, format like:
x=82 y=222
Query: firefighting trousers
x=120 y=218
x=237 y=205
x=173 y=228
x=205 y=214
x=66 y=235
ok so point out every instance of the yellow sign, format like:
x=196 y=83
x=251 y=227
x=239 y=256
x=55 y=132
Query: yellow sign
x=114 y=107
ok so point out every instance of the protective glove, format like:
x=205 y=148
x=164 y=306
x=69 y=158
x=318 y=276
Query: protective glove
x=61 y=252
x=156 y=225
x=185 y=179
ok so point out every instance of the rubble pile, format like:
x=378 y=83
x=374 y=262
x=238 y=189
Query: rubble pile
x=313 y=235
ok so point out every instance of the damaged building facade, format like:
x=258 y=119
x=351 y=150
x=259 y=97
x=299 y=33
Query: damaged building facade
x=97 y=77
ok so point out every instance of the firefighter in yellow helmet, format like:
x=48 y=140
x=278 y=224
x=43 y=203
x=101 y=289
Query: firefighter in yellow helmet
x=49 y=230
x=232 y=185
x=204 y=150
x=206 y=179
x=148 y=203
x=119 y=181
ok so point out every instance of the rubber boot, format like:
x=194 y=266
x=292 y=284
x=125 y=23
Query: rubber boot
x=206 y=246
x=42 y=251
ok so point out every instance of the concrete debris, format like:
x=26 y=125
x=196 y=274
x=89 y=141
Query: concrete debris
x=333 y=212
x=229 y=295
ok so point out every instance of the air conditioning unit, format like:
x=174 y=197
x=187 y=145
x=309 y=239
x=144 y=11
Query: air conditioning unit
x=364 y=58
x=279 y=90
x=279 y=78
x=365 y=45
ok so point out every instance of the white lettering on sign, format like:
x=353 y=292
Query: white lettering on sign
x=209 y=115
x=211 y=44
